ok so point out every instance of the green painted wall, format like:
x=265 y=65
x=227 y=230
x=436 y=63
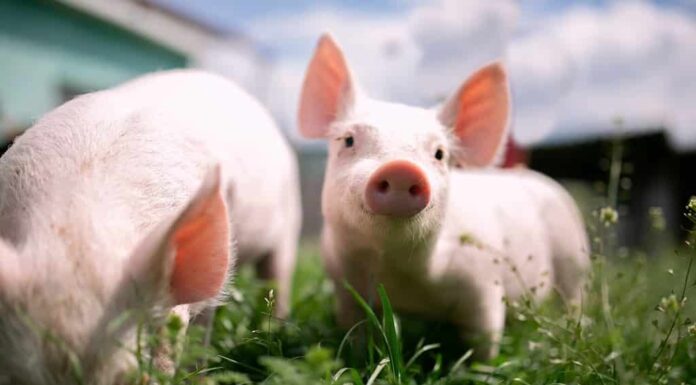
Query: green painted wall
x=46 y=47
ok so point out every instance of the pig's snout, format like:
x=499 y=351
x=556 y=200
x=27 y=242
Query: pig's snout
x=398 y=188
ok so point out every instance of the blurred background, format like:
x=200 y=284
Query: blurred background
x=590 y=78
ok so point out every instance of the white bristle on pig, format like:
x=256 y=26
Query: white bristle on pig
x=129 y=200
x=447 y=242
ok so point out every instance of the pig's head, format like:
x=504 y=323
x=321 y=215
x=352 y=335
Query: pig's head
x=388 y=167
x=74 y=320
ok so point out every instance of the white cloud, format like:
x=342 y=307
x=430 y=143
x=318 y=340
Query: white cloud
x=456 y=37
x=238 y=61
x=630 y=60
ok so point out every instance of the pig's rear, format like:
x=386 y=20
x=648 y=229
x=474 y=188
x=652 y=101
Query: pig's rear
x=567 y=236
x=264 y=192
x=81 y=189
x=261 y=166
x=528 y=221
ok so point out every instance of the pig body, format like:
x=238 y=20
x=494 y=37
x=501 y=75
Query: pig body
x=505 y=234
x=259 y=165
x=108 y=205
x=407 y=204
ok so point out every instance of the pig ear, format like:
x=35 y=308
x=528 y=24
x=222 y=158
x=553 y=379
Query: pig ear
x=478 y=116
x=186 y=260
x=327 y=91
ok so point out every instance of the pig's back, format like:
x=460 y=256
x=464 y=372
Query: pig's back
x=97 y=168
x=513 y=217
x=512 y=192
x=239 y=131
x=141 y=149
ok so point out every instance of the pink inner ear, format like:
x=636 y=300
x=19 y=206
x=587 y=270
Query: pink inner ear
x=326 y=89
x=482 y=108
x=201 y=242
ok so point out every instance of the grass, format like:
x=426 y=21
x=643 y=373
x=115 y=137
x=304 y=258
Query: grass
x=634 y=328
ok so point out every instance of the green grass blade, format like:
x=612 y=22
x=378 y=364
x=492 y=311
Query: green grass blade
x=391 y=342
x=377 y=371
x=420 y=352
x=346 y=336
x=243 y=365
x=462 y=360
x=371 y=316
x=392 y=337
x=370 y=345
x=339 y=374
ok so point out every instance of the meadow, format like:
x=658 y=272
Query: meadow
x=634 y=327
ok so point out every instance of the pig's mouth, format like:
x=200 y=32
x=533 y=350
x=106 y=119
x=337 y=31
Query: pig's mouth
x=412 y=218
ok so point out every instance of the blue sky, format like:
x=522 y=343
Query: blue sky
x=575 y=65
x=239 y=10
x=235 y=15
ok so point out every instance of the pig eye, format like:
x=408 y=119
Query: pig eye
x=349 y=141
x=439 y=154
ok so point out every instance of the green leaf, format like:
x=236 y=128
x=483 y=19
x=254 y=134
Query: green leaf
x=420 y=352
x=392 y=337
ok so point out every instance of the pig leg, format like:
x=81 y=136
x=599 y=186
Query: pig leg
x=570 y=276
x=571 y=262
x=571 y=253
x=482 y=321
x=348 y=312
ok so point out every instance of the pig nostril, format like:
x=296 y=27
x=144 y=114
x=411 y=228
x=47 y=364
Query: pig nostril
x=415 y=190
x=397 y=189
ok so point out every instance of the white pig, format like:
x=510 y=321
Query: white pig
x=100 y=217
x=447 y=243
